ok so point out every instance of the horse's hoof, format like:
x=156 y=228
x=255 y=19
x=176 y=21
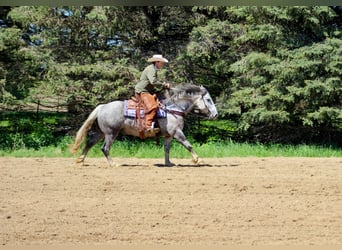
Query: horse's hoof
x=79 y=160
x=169 y=164
x=114 y=165
x=198 y=161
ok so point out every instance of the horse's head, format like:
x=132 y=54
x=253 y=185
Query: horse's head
x=204 y=105
x=194 y=99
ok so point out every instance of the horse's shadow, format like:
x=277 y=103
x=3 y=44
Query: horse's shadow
x=201 y=165
x=160 y=165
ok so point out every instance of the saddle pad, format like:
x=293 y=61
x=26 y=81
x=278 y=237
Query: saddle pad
x=130 y=111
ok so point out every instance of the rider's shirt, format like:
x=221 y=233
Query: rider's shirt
x=148 y=81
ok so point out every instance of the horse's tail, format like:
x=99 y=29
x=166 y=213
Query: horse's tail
x=82 y=132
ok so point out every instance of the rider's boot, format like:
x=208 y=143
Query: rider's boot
x=150 y=129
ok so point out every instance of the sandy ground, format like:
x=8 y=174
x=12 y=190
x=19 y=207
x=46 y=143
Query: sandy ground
x=226 y=201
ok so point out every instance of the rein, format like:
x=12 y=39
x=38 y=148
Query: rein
x=178 y=110
x=172 y=111
x=182 y=113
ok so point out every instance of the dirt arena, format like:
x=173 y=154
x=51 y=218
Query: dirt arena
x=224 y=201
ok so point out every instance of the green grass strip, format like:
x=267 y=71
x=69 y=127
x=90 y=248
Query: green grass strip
x=148 y=149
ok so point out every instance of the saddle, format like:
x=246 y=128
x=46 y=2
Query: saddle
x=135 y=108
x=133 y=105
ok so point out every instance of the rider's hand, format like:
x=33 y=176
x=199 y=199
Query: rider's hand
x=167 y=85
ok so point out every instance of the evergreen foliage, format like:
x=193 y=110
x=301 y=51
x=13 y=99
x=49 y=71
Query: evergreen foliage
x=276 y=71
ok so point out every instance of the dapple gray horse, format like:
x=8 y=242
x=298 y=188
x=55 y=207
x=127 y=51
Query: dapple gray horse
x=111 y=121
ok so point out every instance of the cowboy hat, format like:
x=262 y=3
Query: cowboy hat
x=157 y=58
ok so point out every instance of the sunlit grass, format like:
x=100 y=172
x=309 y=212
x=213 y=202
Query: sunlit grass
x=148 y=149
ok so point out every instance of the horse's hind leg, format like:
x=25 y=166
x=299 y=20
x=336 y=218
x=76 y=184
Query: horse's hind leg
x=90 y=143
x=109 y=139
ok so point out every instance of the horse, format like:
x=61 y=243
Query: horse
x=111 y=121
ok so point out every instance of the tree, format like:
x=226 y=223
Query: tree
x=288 y=89
x=91 y=54
x=263 y=61
x=272 y=69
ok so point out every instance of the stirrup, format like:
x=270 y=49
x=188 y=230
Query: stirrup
x=152 y=131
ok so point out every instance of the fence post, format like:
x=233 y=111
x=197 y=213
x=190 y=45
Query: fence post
x=37 y=112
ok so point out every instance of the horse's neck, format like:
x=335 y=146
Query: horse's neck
x=180 y=104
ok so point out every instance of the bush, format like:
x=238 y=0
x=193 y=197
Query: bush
x=27 y=130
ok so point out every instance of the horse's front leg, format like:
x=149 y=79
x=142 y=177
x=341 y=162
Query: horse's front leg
x=167 y=145
x=180 y=137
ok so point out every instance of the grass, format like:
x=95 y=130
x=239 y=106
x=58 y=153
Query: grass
x=22 y=134
x=148 y=149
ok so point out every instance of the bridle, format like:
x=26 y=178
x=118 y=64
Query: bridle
x=184 y=112
x=200 y=113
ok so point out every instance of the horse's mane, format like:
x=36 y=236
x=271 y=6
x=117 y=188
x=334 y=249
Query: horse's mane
x=183 y=90
x=186 y=88
x=179 y=92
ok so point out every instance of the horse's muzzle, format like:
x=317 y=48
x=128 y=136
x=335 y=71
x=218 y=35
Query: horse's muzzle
x=213 y=117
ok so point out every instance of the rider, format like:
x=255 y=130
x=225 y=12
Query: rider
x=148 y=86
